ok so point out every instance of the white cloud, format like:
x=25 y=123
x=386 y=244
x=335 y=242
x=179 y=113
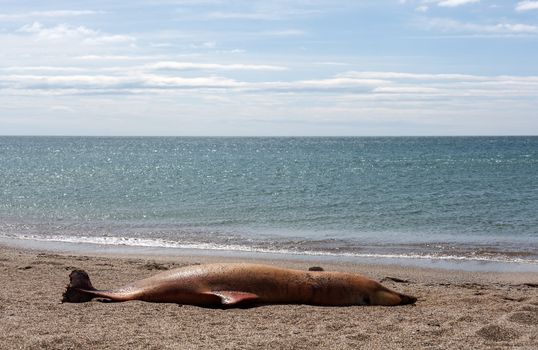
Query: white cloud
x=68 y=32
x=450 y=25
x=285 y=32
x=118 y=83
x=28 y=81
x=271 y=11
x=412 y=76
x=244 y=15
x=205 y=45
x=117 y=57
x=109 y=39
x=62 y=108
x=46 y=14
x=455 y=3
x=171 y=65
x=526 y=6
x=347 y=99
x=44 y=69
x=373 y=84
x=437 y=77
x=406 y=90
x=57 y=32
x=126 y=67
x=424 y=4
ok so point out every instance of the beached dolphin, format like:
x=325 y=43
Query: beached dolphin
x=239 y=284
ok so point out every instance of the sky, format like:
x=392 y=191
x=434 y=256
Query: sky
x=269 y=68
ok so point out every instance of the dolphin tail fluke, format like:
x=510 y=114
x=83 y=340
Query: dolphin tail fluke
x=79 y=289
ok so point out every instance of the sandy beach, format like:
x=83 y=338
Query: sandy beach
x=456 y=309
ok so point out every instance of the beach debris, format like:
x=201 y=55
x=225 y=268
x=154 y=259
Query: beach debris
x=153 y=265
x=506 y=297
x=394 y=279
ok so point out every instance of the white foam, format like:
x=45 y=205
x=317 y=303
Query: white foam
x=161 y=243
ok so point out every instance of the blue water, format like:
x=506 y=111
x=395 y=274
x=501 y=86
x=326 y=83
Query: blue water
x=436 y=197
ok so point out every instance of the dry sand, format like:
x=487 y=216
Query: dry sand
x=455 y=310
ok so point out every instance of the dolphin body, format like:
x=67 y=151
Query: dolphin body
x=241 y=284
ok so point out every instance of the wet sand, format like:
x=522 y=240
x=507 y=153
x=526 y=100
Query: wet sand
x=456 y=309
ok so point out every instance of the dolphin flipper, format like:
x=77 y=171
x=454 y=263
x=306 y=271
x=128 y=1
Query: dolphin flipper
x=233 y=298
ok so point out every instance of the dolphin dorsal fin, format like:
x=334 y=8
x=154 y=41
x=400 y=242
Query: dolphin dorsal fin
x=232 y=297
x=316 y=268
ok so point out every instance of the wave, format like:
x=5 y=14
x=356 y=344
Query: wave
x=462 y=256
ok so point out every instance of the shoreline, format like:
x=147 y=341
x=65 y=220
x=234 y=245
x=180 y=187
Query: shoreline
x=455 y=308
x=478 y=264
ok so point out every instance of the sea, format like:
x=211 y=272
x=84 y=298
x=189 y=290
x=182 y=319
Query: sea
x=426 y=199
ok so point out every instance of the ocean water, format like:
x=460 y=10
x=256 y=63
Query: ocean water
x=470 y=198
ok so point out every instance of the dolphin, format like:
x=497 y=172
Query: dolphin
x=242 y=284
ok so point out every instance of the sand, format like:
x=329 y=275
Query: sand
x=455 y=310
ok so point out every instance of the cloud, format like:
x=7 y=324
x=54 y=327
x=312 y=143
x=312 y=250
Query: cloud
x=44 y=69
x=245 y=16
x=526 y=6
x=393 y=76
x=166 y=67
x=378 y=85
x=46 y=14
x=284 y=32
x=275 y=11
x=450 y=25
x=205 y=45
x=406 y=90
x=171 y=65
x=109 y=39
x=442 y=86
x=117 y=57
x=62 y=108
x=349 y=98
x=424 y=4
x=134 y=80
x=69 y=32
x=57 y=32
x=117 y=83
x=455 y=3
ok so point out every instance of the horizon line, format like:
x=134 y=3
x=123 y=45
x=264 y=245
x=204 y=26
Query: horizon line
x=262 y=136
